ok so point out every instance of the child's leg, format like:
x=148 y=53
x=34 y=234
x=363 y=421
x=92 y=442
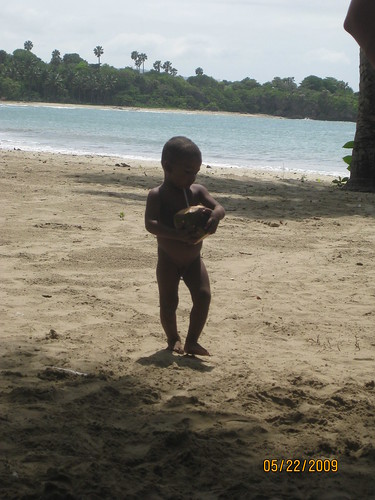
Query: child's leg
x=196 y=279
x=168 y=277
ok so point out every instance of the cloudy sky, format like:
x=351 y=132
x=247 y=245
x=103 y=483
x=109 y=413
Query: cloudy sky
x=229 y=39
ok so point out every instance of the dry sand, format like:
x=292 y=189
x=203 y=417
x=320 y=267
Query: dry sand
x=291 y=329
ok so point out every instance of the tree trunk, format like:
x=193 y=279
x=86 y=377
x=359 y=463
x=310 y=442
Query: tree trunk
x=362 y=170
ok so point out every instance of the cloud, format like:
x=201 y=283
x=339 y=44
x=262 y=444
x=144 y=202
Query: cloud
x=178 y=49
x=229 y=39
x=139 y=41
x=194 y=45
x=328 y=56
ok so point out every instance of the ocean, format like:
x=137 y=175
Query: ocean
x=226 y=140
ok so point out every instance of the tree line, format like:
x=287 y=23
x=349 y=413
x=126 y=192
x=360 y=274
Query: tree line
x=71 y=79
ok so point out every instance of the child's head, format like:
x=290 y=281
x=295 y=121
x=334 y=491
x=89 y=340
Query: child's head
x=181 y=160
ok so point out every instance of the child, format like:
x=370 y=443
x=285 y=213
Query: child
x=178 y=253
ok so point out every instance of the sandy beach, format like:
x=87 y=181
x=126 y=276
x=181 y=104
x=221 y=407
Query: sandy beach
x=92 y=406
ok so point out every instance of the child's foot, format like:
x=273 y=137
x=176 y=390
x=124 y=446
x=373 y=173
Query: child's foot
x=176 y=347
x=196 y=348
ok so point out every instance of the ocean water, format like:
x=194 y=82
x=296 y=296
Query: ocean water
x=225 y=139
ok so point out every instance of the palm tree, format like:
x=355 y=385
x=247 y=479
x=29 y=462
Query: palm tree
x=362 y=169
x=56 y=58
x=167 y=66
x=28 y=45
x=54 y=85
x=157 y=66
x=139 y=59
x=135 y=55
x=98 y=51
x=142 y=58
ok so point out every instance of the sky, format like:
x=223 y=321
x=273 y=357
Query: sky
x=229 y=39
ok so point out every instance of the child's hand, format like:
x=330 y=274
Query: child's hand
x=212 y=223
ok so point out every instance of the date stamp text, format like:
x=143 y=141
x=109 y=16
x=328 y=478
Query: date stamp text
x=309 y=465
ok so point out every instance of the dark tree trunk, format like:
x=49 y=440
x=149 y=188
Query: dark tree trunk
x=362 y=171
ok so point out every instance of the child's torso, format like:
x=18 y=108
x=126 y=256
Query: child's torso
x=171 y=204
x=179 y=252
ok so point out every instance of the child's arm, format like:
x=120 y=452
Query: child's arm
x=153 y=224
x=217 y=211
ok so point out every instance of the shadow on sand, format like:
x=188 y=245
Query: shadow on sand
x=246 y=197
x=166 y=358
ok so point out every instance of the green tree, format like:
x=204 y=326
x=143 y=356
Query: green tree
x=199 y=71
x=98 y=51
x=30 y=71
x=3 y=57
x=10 y=89
x=249 y=83
x=286 y=84
x=107 y=81
x=335 y=86
x=56 y=58
x=68 y=70
x=54 y=86
x=84 y=83
x=72 y=59
x=312 y=82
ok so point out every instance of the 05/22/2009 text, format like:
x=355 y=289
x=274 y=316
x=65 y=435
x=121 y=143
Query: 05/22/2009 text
x=300 y=465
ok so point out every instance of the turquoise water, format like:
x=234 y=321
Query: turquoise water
x=225 y=140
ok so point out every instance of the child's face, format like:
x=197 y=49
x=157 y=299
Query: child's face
x=183 y=173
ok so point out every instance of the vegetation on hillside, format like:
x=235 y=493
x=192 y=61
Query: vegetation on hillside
x=71 y=79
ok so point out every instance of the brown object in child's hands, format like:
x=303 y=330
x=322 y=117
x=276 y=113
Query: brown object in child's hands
x=194 y=219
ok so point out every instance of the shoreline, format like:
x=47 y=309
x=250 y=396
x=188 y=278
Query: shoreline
x=290 y=330
x=131 y=108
